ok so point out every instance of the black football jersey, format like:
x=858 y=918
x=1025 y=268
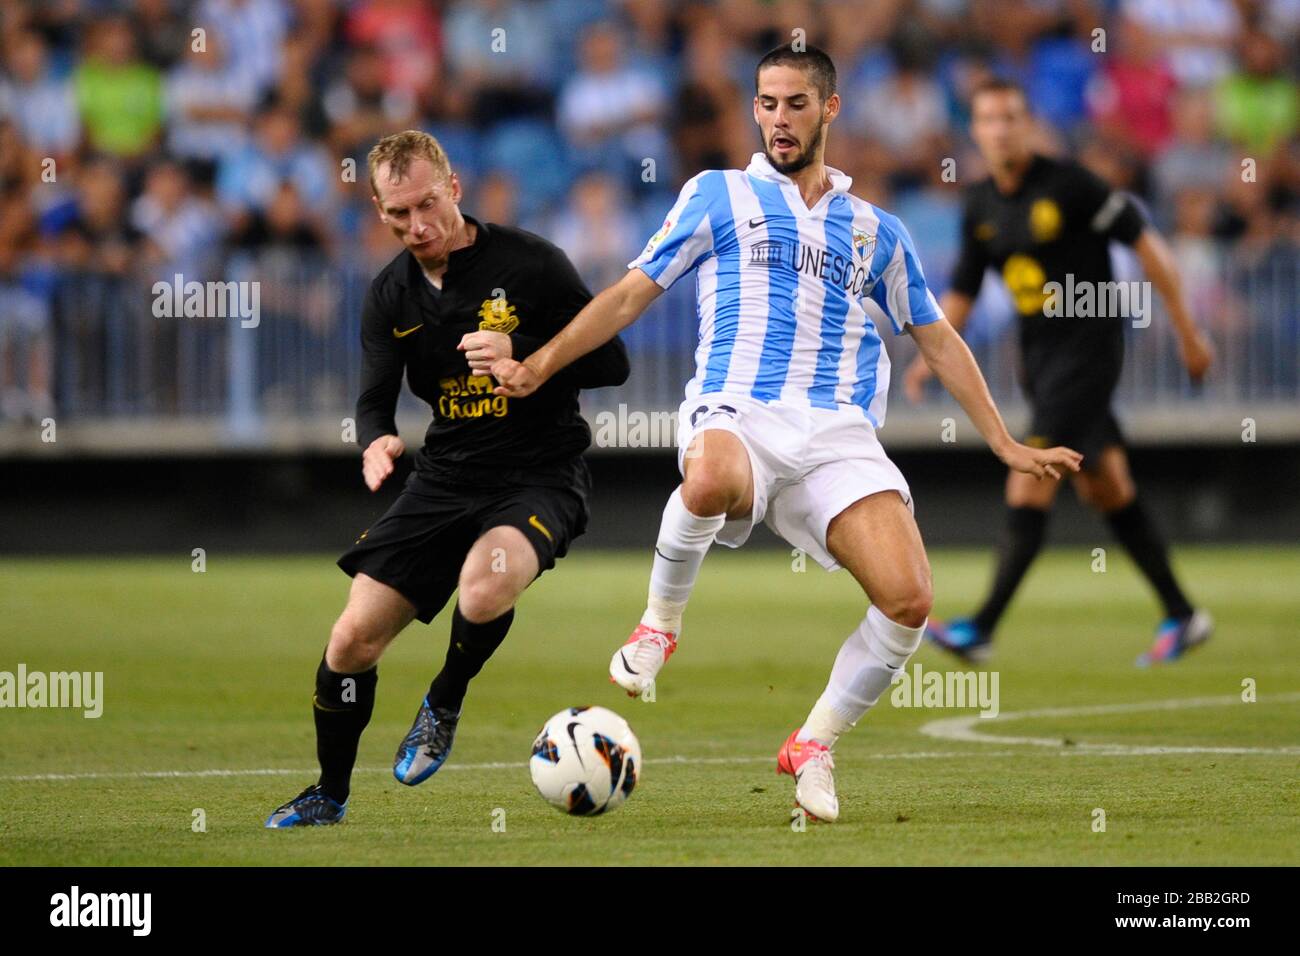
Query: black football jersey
x=1056 y=227
x=509 y=281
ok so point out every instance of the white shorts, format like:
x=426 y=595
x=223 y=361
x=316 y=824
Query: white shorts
x=809 y=464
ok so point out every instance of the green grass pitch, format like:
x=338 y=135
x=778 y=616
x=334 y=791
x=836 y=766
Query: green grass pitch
x=208 y=678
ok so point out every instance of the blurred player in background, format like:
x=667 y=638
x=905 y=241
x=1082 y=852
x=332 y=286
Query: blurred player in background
x=1038 y=221
x=794 y=277
x=499 y=489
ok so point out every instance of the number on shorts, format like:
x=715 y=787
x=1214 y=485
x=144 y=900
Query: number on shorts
x=705 y=410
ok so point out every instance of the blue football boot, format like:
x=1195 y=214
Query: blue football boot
x=960 y=637
x=311 y=808
x=427 y=745
x=1175 y=637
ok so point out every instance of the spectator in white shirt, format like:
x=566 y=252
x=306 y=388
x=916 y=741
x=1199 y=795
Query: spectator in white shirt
x=611 y=111
x=253 y=32
x=178 y=227
x=42 y=106
x=1196 y=35
x=209 y=103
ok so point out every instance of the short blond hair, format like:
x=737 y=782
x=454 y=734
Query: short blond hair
x=399 y=150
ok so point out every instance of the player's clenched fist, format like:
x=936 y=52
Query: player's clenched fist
x=514 y=379
x=1041 y=462
x=482 y=348
x=377 y=460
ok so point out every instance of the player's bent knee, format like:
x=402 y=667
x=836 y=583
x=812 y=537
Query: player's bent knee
x=709 y=490
x=1026 y=491
x=353 y=647
x=910 y=609
x=1103 y=497
x=1087 y=492
x=915 y=612
x=485 y=598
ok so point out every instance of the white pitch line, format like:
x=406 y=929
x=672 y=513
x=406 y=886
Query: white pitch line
x=951 y=728
x=498 y=765
x=963 y=728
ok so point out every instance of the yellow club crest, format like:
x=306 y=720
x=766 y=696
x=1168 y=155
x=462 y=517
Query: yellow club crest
x=1044 y=220
x=497 y=315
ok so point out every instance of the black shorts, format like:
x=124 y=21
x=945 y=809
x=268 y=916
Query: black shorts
x=1087 y=427
x=1070 y=385
x=420 y=543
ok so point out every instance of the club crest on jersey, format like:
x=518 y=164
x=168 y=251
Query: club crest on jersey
x=863 y=244
x=497 y=315
x=1044 y=220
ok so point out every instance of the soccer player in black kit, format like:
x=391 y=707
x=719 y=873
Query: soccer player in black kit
x=1039 y=221
x=499 y=489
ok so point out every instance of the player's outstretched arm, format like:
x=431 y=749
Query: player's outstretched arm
x=952 y=361
x=382 y=368
x=956 y=307
x=604 y=317
x=1158 y=262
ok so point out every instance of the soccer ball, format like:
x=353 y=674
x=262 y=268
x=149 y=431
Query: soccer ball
x=585 y=761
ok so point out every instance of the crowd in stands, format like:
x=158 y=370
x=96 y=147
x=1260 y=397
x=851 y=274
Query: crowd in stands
x=145 y=138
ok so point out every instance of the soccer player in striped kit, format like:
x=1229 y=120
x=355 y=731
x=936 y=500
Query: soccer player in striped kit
x=794 y=277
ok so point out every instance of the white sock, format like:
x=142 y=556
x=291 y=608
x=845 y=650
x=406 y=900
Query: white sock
x=864 y=669
x=684 y=539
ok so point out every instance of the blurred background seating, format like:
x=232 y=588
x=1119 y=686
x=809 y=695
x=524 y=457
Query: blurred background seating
x=129 y=154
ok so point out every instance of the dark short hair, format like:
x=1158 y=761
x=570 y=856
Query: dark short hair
x=810 y=59
x=998 y=84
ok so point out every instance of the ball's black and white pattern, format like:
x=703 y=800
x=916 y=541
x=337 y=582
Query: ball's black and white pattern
x=585 y=760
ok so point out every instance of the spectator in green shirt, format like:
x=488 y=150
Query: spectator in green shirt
x=119 y=95
x=1257 y=106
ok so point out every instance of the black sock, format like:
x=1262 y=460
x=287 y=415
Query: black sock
x=1135 y=530
x=469 y=649
x=342 y=712
x=1021 y=542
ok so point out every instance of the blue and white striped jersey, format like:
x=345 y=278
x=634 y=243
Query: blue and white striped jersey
x=790 y=299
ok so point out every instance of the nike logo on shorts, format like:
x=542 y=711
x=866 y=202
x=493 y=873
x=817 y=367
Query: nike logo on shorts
x=532 y=520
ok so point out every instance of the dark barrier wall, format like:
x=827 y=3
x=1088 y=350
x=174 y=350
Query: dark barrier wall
x=260 y=504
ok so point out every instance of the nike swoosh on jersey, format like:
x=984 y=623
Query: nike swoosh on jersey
x=404 y=334
x=755 y=223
